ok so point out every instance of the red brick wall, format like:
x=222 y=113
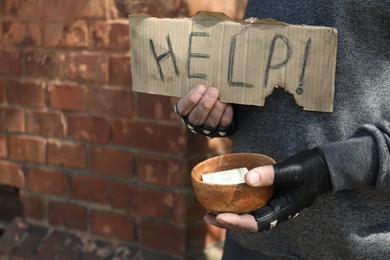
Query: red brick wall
x=88 y=154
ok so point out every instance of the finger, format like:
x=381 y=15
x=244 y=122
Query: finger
x=190 y=100
x=244 y=222
x=211 y=219
x=215 y=115
x=260 y=176
x=200 y=112
x=227 y=116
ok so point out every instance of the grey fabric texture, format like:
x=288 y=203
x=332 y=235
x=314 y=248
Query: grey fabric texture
x=352 y=221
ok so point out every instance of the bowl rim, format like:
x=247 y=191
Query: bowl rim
x=224 y=155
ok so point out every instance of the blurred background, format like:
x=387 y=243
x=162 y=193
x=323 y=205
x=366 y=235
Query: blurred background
x=89 y=169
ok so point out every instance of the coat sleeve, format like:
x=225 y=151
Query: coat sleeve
x=362 y=160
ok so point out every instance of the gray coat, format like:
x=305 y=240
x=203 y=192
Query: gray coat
x=353 y=221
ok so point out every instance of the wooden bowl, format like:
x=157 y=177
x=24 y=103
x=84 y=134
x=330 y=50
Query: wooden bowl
x=234 y=198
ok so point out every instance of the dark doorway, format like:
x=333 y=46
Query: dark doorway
x=10 y=206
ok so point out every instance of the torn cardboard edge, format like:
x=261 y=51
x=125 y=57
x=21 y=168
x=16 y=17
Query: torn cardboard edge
x=245 y=60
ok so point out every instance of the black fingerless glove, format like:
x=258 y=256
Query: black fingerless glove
x=298 y=182
x=208 y=131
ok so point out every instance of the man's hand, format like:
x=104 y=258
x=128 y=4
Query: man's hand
x=204 y=114
x=233 y=8
x=298 y=182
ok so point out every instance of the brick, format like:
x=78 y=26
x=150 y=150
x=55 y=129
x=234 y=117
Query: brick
x=150 y=136
x=52 y=245
x=157 y=107
x=88 y=128
x=17 y=33
x=92 y=249
x=27 y=148
x=189 y=209
x=2 y=7
x=9 y=7
x=11 y=119
x=119 y=70
x=111 y=102
x=197 y=234
x=30 y=242
x=112 y=225
x=55 y=10
x=10 y=64
x=22 y=8
x=25 y=93
x=44 y=64
x=83 y=8
x=34 y=206
x=166 y=205
x=67 y=215
x=71 y=249
x=110 y=34
x=2 y=94
x=45 y=123
x=154 y=235
x=163 y=172
x=111 y=162
x=67 y=97
x=156 y=8
x=91 y=9
x=66 y=154
x=119 y=34
x=11 y=174
x=92 y=67
x=11 y=237
x=3 y=146
x=66 y=34
x=99 y=33
x=46 y=181
x=88 y=188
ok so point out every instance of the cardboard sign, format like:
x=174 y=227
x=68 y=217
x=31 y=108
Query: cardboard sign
x=244 y=60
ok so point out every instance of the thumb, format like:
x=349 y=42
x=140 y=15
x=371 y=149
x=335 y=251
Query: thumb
x=260 y=176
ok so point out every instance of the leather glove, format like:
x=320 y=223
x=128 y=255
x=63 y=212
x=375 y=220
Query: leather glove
x=298 y=181
x=205 y=130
